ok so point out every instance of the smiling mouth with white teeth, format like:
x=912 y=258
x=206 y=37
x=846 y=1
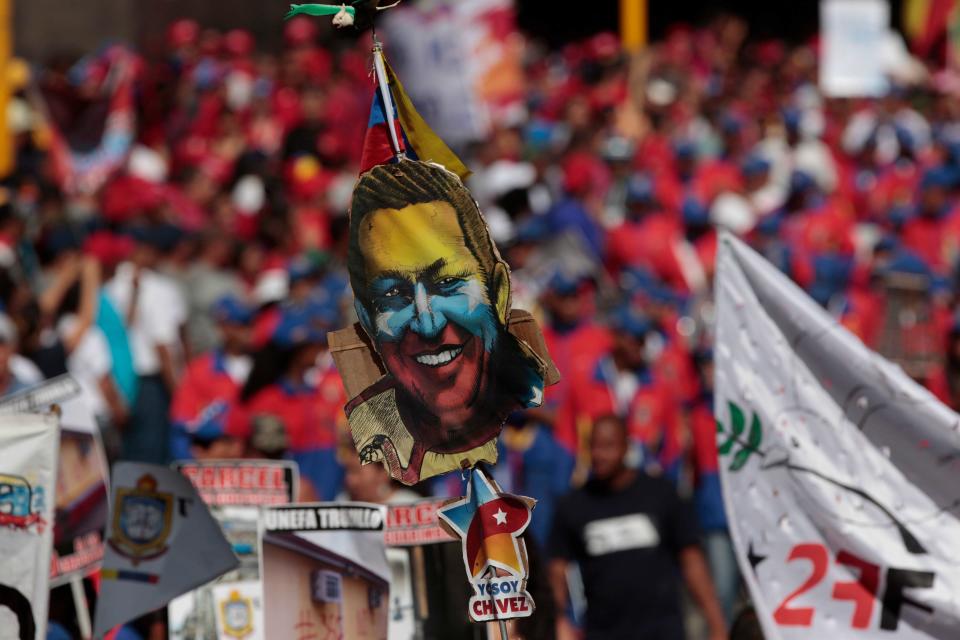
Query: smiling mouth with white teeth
x=440 y=358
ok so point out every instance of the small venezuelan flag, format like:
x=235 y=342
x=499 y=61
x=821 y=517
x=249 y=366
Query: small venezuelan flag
x=416 y=140
x=489 y=524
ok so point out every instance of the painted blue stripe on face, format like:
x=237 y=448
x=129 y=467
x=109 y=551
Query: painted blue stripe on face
x=463 y=303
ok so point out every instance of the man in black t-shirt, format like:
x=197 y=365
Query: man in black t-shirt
x=633 y=539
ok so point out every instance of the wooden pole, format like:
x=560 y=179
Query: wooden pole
x=633 y=24
x=6 y=52
x=80 y=604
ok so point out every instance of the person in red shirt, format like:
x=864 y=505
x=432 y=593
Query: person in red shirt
x=623 y=383
x=574 y=341
x=648 y=238
x=294 y=399
x=666 y=346
x=924 y=233
x=210 y=386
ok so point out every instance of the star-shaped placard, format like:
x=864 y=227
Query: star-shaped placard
x=489 y=522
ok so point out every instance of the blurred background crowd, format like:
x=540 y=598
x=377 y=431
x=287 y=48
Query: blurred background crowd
x=173 y=236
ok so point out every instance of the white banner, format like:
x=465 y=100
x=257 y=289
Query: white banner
x=463 y=70
x=28 y=470
x=855 y=37
x=161 y=542
x=840 y=474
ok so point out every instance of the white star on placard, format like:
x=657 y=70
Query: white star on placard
x=500 y=516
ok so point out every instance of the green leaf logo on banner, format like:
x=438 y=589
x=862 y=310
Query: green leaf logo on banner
x=734 y=442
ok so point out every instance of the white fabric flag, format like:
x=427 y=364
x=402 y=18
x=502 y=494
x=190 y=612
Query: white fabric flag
x=161 y=542
x=28 y=481
x=841 y=475
x=854 y=43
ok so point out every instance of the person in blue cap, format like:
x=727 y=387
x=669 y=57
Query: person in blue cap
x=292 y=402
x=211 y=385
x=684 y=159
x=648 y=236
x=926 y=233
x=831 y=277
x=574 y=340
x=701 y=235
x=624 y=383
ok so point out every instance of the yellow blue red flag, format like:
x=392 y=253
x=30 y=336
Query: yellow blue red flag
x=415 y=138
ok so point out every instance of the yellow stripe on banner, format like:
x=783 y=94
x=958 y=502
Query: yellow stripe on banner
x=108 y=574
x=424 y=141
x=914 y=15
x=6 y=50
x=633 y=24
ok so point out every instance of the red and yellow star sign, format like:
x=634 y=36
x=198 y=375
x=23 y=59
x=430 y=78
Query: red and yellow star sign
x=489 y=523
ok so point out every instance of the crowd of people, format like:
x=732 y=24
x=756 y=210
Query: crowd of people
x=190 y=294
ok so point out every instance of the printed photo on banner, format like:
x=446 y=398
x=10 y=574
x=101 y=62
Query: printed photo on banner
x=433 y=295
x=27 y=487
x=81 y=506
x=233 y=490
x=324 y=571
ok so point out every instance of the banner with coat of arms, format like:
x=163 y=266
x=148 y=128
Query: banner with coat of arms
x=238 y=610
x=234 y=490
x=28 y=469
x=161 y=542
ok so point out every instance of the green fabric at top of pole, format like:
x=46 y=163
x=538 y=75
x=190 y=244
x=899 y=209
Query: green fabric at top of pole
x=318 y=10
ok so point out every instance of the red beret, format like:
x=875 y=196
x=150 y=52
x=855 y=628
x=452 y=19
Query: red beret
x=182 y=33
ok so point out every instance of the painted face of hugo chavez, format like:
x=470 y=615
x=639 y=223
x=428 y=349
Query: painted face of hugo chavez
x=429 y=311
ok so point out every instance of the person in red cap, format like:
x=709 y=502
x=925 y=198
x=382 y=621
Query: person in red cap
x=182 y=38
x=583 y=176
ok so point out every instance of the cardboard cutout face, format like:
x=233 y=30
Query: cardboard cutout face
x=433 y=295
